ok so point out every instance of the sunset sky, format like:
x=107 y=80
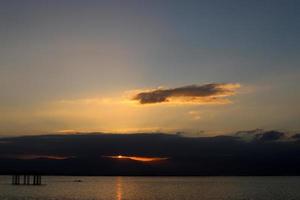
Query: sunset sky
x=202 y=67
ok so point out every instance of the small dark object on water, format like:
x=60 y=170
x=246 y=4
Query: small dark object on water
x=78 y=181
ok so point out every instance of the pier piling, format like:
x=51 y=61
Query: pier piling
x=36 y=180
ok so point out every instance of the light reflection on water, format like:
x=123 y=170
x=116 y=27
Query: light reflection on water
x=119 y=188
x=155 y=188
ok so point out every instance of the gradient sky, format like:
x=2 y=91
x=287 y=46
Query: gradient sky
x=74 y=65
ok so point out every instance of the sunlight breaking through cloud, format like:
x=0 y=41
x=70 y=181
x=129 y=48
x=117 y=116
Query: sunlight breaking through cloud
x=213 y=93
x=138 y=158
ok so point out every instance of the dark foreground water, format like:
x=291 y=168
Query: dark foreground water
x=150 y=188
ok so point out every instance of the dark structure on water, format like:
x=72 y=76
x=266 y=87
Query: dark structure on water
x=26 y=180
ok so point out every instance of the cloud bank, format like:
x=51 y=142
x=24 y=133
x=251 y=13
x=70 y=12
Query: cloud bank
x=213 y=93
x=266 y=153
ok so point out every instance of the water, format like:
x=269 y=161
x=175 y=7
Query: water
x=155 y=188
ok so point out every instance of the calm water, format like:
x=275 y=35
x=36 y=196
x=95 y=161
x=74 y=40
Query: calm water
x=150 y=188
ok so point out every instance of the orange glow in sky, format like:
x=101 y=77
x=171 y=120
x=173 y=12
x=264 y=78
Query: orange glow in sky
x=138 y=158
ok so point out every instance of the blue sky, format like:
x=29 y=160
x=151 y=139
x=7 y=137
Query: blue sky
x=57 y=52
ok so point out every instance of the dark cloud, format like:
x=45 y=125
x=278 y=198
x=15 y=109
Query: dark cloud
x=270 y=136
x=201 y=94
x=296 y=136
x=86 y=154
x=249 y=132
x=260 y=135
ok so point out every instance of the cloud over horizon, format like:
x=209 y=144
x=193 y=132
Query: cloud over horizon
x=213 y=93
x=266 y=152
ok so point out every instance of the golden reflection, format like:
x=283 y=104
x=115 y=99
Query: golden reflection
x=119 y=188
x=138 y=158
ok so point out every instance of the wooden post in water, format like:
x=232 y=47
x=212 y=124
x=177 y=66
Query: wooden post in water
x=15 y=180
x=40 y=180
x=37 y=180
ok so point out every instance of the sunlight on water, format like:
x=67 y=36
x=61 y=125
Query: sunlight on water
x=155 y=188
x=119 y=188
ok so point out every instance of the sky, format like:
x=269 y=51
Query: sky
x=201 y=67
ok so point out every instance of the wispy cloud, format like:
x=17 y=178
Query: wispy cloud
x=213 y=93
x=67 y=131
x=195 y=115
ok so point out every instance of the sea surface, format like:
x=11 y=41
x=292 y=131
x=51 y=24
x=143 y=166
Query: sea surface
x=151 y=188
